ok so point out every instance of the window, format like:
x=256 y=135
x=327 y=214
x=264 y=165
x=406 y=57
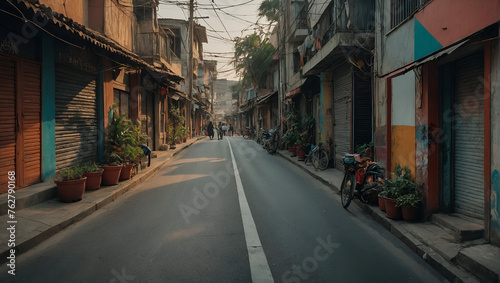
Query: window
x=403 y=9
x=121 y=99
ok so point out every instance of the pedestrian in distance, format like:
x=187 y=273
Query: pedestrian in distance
x=210 y=130
x=219 y=131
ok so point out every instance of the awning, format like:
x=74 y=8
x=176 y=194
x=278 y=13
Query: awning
x=445 y=51
x=266 y=97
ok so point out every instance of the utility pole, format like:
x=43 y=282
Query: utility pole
x=190 y=64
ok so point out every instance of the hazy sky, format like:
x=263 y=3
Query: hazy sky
x=227 y=19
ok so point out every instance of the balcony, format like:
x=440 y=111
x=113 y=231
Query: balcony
x=349 y=34
x=298 y=28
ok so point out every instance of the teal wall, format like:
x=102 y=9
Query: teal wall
x=48 y=109
x=425 y=43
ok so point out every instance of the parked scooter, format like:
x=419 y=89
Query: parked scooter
x=262 y=136
x=363 y=176
x=271 y=142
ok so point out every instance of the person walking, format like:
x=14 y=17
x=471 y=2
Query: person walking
x=210 y=130
x=219 y=131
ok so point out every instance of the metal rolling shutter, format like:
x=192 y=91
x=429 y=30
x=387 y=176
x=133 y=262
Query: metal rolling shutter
x=8 y=120
x=362 y=112
x=342 y=86
x=31 y=123
x=468 y=137
x=76 y=120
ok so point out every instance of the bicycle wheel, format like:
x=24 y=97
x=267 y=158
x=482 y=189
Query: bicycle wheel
x=347 y=188
x=320 y=160
x=309 y=158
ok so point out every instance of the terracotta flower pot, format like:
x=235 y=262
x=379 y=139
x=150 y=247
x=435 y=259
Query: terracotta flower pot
x=410 y=213
x=111 y=174
x=93 y=180
x=70 y=191
x=381 y=203
x=126 y=172
x=291 y=148
x=301 y=153
x=391 y=211
x=294 y=150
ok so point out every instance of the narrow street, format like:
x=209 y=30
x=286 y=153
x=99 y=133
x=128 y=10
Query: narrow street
x=188 y=223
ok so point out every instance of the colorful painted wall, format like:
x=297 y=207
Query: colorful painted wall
x=444 y=22
x=403 y=121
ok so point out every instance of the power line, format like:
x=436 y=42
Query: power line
x=221 y=21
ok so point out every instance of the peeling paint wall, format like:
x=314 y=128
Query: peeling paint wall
x=495 y=143
x=403 y=122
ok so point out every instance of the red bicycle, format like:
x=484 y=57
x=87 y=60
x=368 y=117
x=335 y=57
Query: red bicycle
x=361 y=175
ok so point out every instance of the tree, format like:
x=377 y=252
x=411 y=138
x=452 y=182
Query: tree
x=253 y=58
x=269 y=9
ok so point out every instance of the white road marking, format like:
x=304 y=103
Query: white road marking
x=259 y=267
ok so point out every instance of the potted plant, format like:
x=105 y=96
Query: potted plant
x=93 y=174
x=290 y=139
x=391 y=194
x=173 y=136
x=300 y=146
x=183 y=133
x=400 y=185
x=381 y=200
x=114 y=146
x=71 y=184
x=131 y=153
x=409 y=205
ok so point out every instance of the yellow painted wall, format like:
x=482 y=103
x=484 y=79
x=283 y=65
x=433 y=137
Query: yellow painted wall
x=403 y=147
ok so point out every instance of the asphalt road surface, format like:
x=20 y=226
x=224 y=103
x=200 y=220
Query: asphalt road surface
x=202 y=219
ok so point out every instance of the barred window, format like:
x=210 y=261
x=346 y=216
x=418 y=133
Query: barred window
x=403 y=9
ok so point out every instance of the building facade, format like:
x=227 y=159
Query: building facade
x=65 y=65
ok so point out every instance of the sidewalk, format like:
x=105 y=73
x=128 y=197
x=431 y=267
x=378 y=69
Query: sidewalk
x=440 y=242
x=39 y=214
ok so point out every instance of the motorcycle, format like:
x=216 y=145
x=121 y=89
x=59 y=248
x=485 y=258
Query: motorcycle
x=249 y=133
x=363 y=176
x=271 y=140
x=262 y=136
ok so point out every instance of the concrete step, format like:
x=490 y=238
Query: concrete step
x=463 y=228
x=29 y=196
x=481 y=260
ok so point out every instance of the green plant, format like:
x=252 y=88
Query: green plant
x=123 y=139
x=412 y=199
x=70 y=173
x=183 y=132
x=360 y=149
x=401 y=184
x=91 y=167
x=175 y=116
x=290 y=137
x=173 y=134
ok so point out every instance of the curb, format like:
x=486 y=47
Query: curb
x=447 y=269
x=43 y=232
